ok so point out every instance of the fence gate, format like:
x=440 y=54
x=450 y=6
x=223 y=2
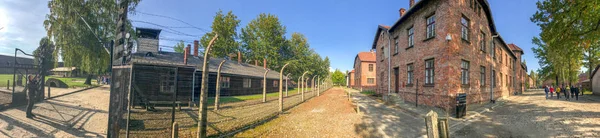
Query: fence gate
x=14 y=74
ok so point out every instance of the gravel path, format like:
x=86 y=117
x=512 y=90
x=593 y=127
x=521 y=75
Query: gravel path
x=329 y=115
x=531 y=115
x=78 y=114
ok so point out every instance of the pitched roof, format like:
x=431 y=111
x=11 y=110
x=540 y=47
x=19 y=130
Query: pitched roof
x=516 y=48
x=366 y=56
x=380 y=28
x=229 y=67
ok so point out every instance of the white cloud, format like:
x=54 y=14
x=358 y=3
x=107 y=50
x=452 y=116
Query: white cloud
x=22 y=23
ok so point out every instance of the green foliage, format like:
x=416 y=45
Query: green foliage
x=179 y=47
x=338 y=78
x=225 y=26
x=569 y=30
x=76 y=43
x=45 y=53
x=263 y=38
x=368 y=92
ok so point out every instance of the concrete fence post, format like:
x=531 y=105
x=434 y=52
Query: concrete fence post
x=443 y=128
x=431 y=124
x=175 y=130
x=8 y=84
x=281 y=87
x=265 y=86
x=218 y=86
x=202 y=110
x=48 y=93
x=303 y=84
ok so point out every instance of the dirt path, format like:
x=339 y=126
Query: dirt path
x=329 y=115
x=76 y=114
x=531 y=115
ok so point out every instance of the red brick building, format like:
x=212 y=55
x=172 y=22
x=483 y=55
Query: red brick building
x=441 y=48
x=365 y=77
x=350 y=79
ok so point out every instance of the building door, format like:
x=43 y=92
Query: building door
x=396 y=80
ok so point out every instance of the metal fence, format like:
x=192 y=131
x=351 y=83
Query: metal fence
x=160 y=96
x=14 y=73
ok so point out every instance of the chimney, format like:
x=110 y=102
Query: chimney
x=195 y=48
x=188 y=49
x=265 y=63
x=185 y=55
x=239 y=57
x=402 y=10
x=411 y=3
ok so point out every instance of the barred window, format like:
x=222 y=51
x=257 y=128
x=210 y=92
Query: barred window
x=482 y=77
x=493 y=78
x=409 y=72
x=465 y=28
x=431 y=26
x=429 y=71
x=225 y=82
x=247 y=83
x=464 y=72
x=482 y=42
x=370 y=67
x=411 y=33
x=275 y=83
x=371 y=80
x=396 y=45
x=167 y=82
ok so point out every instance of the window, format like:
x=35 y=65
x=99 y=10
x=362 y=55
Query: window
x=501 y=56
x=506 y=58
x=501 y=79
x=431 y=26
x=482 y=42
x=482 y=77
x=411 y=33
x=464 y=71
x=465 y=28
x=247 y=83
x=429 y=72
x=409 y=72
x=225 y=82
x=167 y=82
x=382 y=53
x=275 y=83
x=506 y=78
x=370 y=67
x=396 y=45
x=493 y=78
x=371 y=80
x=493 y=53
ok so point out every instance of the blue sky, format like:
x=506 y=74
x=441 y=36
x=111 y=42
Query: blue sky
x=335 y=28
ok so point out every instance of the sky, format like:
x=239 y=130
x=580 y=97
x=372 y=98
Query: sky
x=338 y=29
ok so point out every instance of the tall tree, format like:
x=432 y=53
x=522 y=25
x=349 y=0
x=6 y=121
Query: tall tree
x=76 y=41
x=338 y=78
x=45 y=54
x=263 y=38
x=225 y=26
x=179 y=47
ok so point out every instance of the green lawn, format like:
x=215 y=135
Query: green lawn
x=231 y=99
x=368 y=92
x=72 y=82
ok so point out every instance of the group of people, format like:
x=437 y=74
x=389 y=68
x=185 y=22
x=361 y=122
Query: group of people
x=103 y=80
x=567 y=91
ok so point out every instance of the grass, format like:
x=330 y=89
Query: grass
x=368 y=92
x=232 y=99
x=586 y=92
x=71 y=82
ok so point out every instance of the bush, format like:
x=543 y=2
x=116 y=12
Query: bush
x=368 y=92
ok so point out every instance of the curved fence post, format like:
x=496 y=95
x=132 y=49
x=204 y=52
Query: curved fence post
x=265 y=86
x=218 y=90
x=281 y=88
x=202 y=113
x=287 y=78
x=303 y=84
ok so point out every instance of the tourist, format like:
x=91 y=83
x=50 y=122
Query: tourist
x=564 y=91
x=558 y=93
x=551 y=91
x=572 y=90
x=31 y=92
x=576 y=92
x=546 y=90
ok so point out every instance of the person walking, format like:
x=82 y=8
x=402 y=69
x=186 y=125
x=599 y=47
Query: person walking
x=571 y=89
x=576 y=93
x=551 y=91
x=564 y=91
x=31 y=92
x=558 y=93
x=546 y=90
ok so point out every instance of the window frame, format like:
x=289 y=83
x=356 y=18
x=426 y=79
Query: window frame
x=225 y=82
x=371 y=67
x=246 y=83
x=482 y=38
x=275 y=83
x=430 y=72
x=465 y=28
x=410 y=73
x=430 y=27
x=370 y=80
x=411 y=37
x=464 y=72
x=396 y=45
x=482 y=77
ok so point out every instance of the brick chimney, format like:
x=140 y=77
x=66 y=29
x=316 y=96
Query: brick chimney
x=411 y=3
x=402 y=11
x=265 y=63
x=239 y=57
x=185 y=54
x=195 y=48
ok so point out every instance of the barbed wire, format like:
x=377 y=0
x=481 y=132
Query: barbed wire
x=173 y=31
x=168 y=17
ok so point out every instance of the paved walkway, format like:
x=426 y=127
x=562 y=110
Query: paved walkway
x=531 y=115
x=74 y=114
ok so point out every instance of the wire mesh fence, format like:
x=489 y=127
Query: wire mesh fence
x=13 y=78
x=160 y=96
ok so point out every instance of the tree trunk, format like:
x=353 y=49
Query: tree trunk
x=88 y=80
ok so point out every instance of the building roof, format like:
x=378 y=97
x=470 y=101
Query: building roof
x=8 y=60
x=514 y=48
x=63 y=69
x=379 y=29
x=229 y=67
x=366 y=56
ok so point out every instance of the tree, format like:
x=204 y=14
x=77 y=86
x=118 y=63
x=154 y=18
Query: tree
x=179 y=47
x=77 y=42
x=338 y=78
x=225 y=26
x=45 y=54
x=263 y=38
